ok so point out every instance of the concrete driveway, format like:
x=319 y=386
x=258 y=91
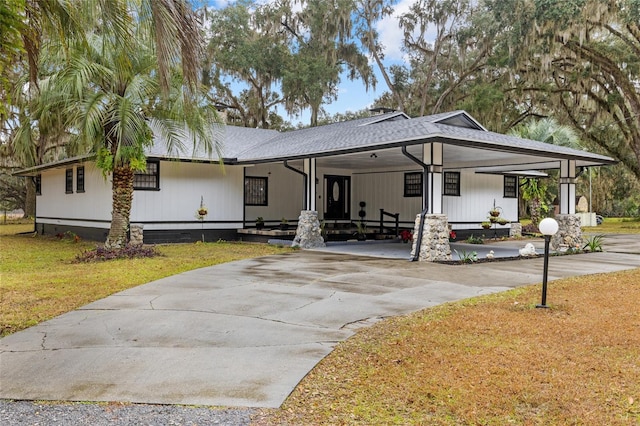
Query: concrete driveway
x=245 y=333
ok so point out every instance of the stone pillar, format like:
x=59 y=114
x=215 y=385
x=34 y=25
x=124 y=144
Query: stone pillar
x=435 y=238
x=136 y=233
x=308 y=234
x=515 y=230
x=569 y=235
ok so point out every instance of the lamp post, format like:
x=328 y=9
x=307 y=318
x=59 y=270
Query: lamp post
x=548 y=227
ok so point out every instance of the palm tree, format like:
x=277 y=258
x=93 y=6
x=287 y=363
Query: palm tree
x=546 y=130
x=169 y=26
x=111 y=97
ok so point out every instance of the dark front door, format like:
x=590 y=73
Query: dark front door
x=337 y=197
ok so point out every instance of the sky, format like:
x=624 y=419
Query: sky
x=352 y=95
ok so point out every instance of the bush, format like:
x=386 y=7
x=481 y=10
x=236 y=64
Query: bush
x=474 y=240
x=101 y=254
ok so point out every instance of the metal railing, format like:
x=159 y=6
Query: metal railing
x=396 y=216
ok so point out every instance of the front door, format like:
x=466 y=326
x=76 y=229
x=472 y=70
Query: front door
x=337 y=197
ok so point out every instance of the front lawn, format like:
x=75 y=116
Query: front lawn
x=494 y=360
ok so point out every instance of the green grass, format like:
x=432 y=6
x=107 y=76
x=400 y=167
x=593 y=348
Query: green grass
x=40 y=279
x=616 y=225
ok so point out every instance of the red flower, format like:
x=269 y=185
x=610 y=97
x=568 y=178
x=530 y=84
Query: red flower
x=452 y=235
x=406 y=235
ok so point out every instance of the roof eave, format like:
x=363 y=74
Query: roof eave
x=36 y=170
x=592 y=159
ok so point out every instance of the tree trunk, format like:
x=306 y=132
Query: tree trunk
x=30 y=198
x=535 y=210
x=122 y=196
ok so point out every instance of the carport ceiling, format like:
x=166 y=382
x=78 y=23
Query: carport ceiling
x=455 y=157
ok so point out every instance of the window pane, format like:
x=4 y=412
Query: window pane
x=68 y=181
x=413 y=184
x=510 y=187
x=80 y=179
x=255 y=191
x=149 y=179
x=451 y=183
x=38 y=182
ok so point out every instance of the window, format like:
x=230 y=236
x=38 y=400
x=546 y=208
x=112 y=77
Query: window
x=451 y=183
x=413 y=184
x=510 y=187
x=255 y=191
x=149 y=179
x=80 y=179
x=68 y=181
x=37 y=180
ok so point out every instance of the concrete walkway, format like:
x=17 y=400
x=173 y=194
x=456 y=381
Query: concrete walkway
x=245 y=333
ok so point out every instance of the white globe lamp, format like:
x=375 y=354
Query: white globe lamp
x=547 y=227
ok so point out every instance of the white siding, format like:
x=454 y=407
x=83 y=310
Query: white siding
x=477 y=195
x=383 y=191
x=285 y=193
x=181 y=187
x=54 y=205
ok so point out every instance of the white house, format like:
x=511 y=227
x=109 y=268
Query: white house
x=443 y=164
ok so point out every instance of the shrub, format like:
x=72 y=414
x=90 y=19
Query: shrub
x=593 y=243
x=474 y=240
x=101 y=254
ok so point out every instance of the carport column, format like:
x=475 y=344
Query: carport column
x=435 y=238
x=569 y=235
x=310 y=169
x=308 y=233
x=432 y=180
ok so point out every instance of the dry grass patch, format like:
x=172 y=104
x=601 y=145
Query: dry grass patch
x=40 y=278
x=488 y=361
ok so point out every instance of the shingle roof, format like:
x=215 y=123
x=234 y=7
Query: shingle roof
x=346 y=137
x=246 y=146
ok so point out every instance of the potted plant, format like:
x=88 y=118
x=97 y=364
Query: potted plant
x=259 y=222
x=361 y=233
x=323 y=231
x=494 y=212
x=284 y=224
x=486 y=224
x=502 y=221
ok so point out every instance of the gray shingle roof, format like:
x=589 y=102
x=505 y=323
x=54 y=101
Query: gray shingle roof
x=246 y=146
x=347 y=137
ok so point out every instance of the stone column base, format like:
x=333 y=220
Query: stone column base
x=308 y=234
x=515 y=230
x=569 y=235
x=435 y=238
x=136 y=234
